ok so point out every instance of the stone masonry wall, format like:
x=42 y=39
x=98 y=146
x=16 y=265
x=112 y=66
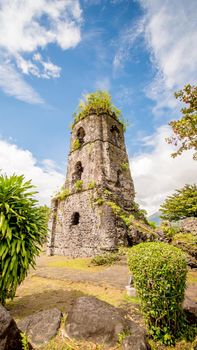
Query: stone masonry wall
x=80 y=225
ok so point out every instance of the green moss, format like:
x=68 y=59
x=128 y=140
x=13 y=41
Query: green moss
x=78 y=185
x=76 y=145
x=105 y=259
x=91 y=185
x=62 y=194
x=99 y=201
x=124 y=166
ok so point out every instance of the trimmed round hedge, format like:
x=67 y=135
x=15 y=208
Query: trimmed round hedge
x=159 y=272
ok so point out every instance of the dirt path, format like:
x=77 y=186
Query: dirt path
x=116 y=275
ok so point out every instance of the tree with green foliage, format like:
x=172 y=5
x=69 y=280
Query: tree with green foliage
x=182 y=204
x=185 y=129
x=23 y=230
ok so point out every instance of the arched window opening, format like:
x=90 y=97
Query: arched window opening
x=75 y=218
x=78 y=171
x=118 y=181
x=81 y=135
x=115 y=135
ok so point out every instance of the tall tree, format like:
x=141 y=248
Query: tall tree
x=181 y=204
x=185 y=129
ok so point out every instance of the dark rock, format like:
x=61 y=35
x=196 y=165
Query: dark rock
x=95 y=320
x=190 y=305
x=10 y=338
x=136 y=341
x=42 y=326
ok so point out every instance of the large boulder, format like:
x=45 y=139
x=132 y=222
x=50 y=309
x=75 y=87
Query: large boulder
x=188 y=225
x=10 y=338
x=95 y=320
x=42 y=326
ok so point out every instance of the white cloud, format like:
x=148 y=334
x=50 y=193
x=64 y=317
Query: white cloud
x=125 y=43
x=156 y=174
x=103 y=84
x=29 y=26
x=13 y=84
x=19 y=161
x=171 y=36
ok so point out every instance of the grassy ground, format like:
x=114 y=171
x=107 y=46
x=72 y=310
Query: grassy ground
x=40 y=293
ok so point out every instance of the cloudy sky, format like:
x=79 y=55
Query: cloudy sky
x=54 y=51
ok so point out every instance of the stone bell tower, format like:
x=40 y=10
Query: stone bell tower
x=83 y=222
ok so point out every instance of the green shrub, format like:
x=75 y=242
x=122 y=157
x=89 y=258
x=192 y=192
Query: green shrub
x=169 y=230
x=105 y=259
x=64 y=193
x=78 y=185
x=98 y=102
x=24 y=341
x=152 y=224
x=22 y=232
x=159 y=272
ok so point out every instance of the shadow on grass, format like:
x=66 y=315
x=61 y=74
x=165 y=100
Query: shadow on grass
x=24 y=306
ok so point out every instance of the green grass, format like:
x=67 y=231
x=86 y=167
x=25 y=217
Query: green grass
x=76 y=264
x=192 y=277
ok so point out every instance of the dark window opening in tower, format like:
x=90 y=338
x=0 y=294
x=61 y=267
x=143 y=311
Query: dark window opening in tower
x=75 y=218
x=78 y=172
x=81 y=135
x=115 y=135
x=118 y=181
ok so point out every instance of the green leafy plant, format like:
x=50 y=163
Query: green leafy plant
x=159 y=272
x=22 y=232
x=78 y=185
x=99 y=201
x=98 y=102
x=105 y=259
x=180 y=205
x=62 y=194
x=91 y=185
x=169 y=230
x=122 y=336
x=152 y=224
x=124 y=166
x=76 y=145
x=107 y=192
x=24 y=341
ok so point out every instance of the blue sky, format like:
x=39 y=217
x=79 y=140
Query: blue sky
x=53 y=52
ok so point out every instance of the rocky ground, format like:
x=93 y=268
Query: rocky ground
x=57 y=283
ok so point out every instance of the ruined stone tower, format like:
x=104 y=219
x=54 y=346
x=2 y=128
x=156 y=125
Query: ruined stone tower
x=84 y=220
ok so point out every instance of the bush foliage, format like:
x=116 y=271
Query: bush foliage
x=97 y=103
x=159 y=272
x=105 y=259
x=182 y=204
x=22 y=231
